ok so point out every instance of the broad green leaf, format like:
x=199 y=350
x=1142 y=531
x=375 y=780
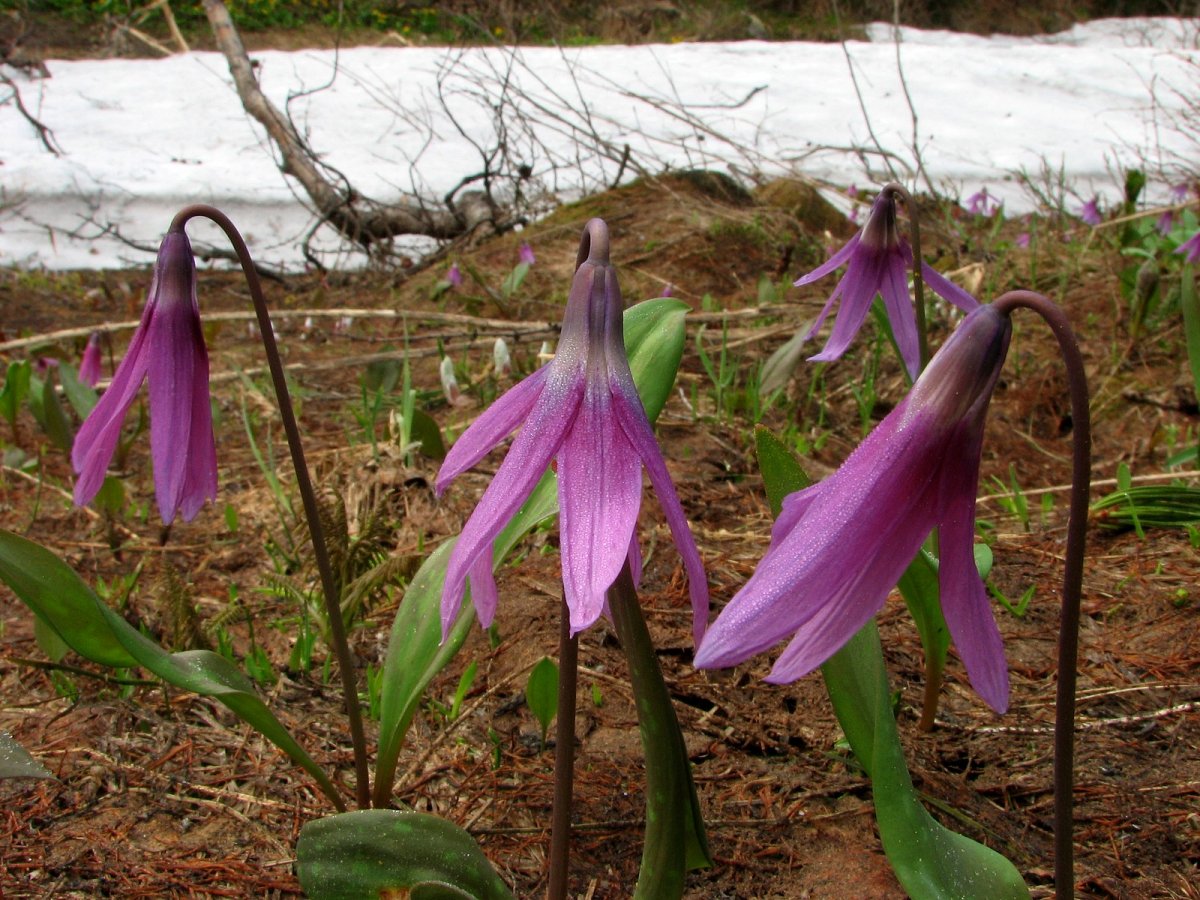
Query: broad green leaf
x=654 y=339
x=423 y=428
x=382 y=374
x=82 y=397
x=15 y=390
x=48 y=641
x=58 y=596
x=541 y=693
x=46 y=408
x=15 y=761
x=377 y=853
x=929 y=860
x=675 y=837
x=781 y=473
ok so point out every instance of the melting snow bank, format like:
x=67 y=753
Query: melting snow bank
x=141 y=138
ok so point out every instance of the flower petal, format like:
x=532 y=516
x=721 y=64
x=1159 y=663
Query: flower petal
x=535 y=445
x=965 y=604
x=834 y=262
x=947 y=289
x=858 y=288
x=483 y=588
x=900 y=312
x=496 y=423
x=97 y=438
x=599 y=493
x=632 y=416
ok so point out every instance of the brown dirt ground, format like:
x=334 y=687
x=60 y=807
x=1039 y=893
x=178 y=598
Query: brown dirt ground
x=160 y=794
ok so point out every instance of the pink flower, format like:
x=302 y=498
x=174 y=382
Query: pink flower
x=839 y=546
x=1023 y=240
x=90 y=367
x=1090 y=212
x=454 y=276
x=525 y=254
x=1165 y=223
x=581 y=409
x=981 y=203
x=877 y=261
x=168 y=351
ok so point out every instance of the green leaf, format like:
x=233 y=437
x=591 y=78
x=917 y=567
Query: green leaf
x=654 y=339
x=15 y=761
x=46 y=408
x=929 y=860
x=423 y=428
x=675 y=837
x=58 y=596
x=82 y=397
x=541 y=693
x=377 y=853
x=1190 y=306
x=48 y=641
x=781 y=472
x=16 y=389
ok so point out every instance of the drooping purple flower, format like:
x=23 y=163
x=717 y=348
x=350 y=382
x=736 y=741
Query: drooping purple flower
x=583 y=410
x=1190 y=247
x=668 y=290
x=43 y=364
x=1165 y=223
x=454 y=275
x=981 y=203
x=168 y=351
x=1090 y=212
x=90 y=367
x=525 y=254
x=1023 y=240
x=839 y=546
x=877 y=261
x=1179 y=191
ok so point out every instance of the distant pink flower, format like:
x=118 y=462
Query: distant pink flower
x=1190 y=247
x=454 y=276
x=1090 y=213
x=525 y=255
x=90 y=367
x=583 y=411
x=1023 y=240
x=852 y=191
x=877 y=261
x=840 y=545
x=1165 y=223
x=1179 y=192
x=43 y=364
x=168 y=351
x=981 y=203
x=668 y=290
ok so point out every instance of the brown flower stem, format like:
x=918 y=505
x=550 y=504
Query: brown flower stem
x=914 y=231
x=1068 y=630
x=337 y=627
x=564 y=759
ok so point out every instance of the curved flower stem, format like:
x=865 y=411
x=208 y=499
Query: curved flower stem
x=337 y=628
x=564 y=759
x=1068 y=632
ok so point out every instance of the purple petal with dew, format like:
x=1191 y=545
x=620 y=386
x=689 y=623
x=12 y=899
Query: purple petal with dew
x=845 y=524
x=496 y=423
x=964 y=601
x=858 y=288
x=97 y=438
x=860 y=594
x=200 y=483
x=900 y=312
x=599 y=493
x=178 y=370
x=632 y=416
x=483 y=589
x=834 y=262
x=530 y=454
x=947 y=289
x=794 y=506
